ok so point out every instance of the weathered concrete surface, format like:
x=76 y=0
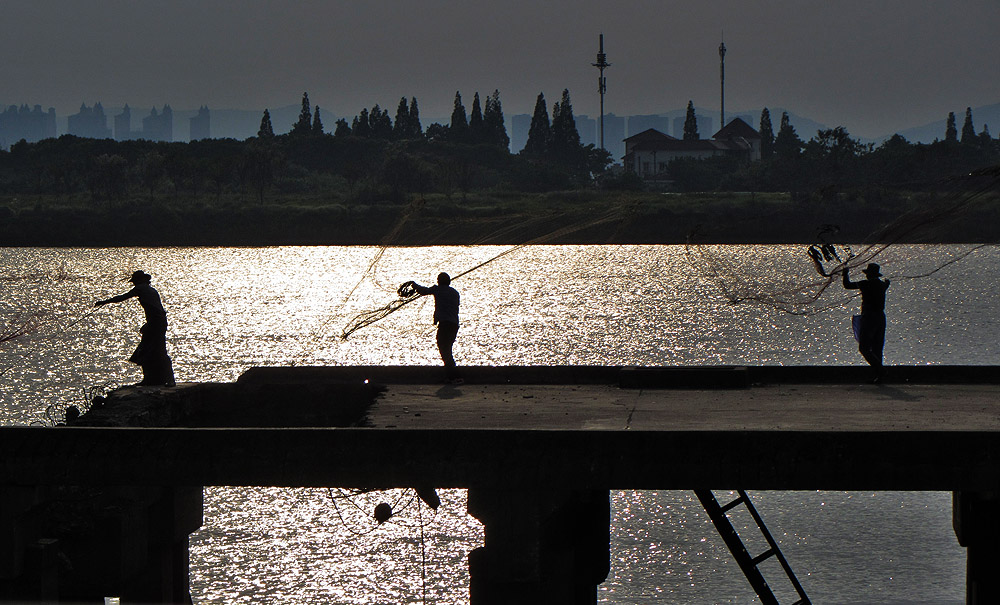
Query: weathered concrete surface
x=591 y=435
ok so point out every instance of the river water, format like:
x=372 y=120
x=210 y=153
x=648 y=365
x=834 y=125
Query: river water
x=233 y=308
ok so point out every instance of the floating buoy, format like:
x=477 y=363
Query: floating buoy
x=382 y=512
x=429 y=496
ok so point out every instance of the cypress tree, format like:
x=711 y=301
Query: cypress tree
x=317 y=124
x=304 y=125
x=342 y=129
x=401 y=129
x=766 y=134
x=690 y=124
x=476 y=128
x=565 y=139
x=459 y=121
x=266 y=131
x=787 y=144
x=496 y=131
x=416 y=130
x=968 y=132
x=380 y=123
x=540 y=131
x=951 y=130
x=361 y=126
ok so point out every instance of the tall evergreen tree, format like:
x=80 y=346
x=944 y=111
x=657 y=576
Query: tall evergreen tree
x=459 y=120
x=493 y=122
x=565 y=139
x=951 y=129
x=317 y=123
x=361 y=126
x=401 y=129
x=787 y=144
x=342 y=128
x=416 y=130
x=690 y=124
x=266 y=131
x=766 y=134
x=476 y=130
x=540 y=130
x=304 y=125
x=968 y=132
x=380 y=123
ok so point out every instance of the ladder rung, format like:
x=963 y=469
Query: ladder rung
x=763 y=557
x=733 y=504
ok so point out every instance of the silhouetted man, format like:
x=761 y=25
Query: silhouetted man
x=869 y=327
x=151 y=354
x=446 y=300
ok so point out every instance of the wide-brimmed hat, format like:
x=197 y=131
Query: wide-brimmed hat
x=872 y=270
x=140 y=277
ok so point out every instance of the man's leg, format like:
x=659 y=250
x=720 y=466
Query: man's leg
x=446 y=335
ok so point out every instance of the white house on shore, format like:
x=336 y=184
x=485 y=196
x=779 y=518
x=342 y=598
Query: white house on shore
x=650 y=152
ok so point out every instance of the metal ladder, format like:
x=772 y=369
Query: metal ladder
x=748 y=563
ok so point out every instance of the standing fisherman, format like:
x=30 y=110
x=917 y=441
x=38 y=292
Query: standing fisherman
x=446 y=300
x=151 y=354
x=869 y=327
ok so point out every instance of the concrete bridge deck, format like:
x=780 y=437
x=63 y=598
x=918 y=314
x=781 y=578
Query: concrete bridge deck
x=598 y=428
x=538 y=448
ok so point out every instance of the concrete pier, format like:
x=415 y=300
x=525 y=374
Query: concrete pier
x=538 y=448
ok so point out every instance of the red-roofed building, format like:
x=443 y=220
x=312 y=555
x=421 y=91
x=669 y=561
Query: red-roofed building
x=650 y=152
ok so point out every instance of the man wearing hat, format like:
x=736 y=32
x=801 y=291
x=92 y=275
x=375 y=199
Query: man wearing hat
x=870 y=325
x=151 y=354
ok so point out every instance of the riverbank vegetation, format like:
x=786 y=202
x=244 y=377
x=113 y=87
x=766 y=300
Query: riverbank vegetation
x=377 y=181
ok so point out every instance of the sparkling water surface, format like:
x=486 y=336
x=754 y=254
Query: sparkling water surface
x=233 y=308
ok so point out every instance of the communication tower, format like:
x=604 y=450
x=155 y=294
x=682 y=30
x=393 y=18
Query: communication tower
x=602 y=84
x=722 y=84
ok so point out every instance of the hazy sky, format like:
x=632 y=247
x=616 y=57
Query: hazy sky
x=872 y=66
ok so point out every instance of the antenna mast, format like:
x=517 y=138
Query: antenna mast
x=602 y=85
x=722 y=84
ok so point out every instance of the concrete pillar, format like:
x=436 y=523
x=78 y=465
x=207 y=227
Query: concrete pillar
x=976 y=518
x=129 y=542
x=14 y=503
x=541 y=547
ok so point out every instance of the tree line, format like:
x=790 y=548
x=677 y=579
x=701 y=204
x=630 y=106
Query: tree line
x=833 y=162
x=374 y=157
x=380 y=158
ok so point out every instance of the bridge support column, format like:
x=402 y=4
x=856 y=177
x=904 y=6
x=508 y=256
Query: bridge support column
x=541 y=547
x=80 y=544
x=976 y=517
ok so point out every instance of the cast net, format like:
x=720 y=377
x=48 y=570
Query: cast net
x=406 y=294
x=802 y=286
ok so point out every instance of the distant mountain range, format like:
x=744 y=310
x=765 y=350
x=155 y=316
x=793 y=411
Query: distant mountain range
x=981 y=116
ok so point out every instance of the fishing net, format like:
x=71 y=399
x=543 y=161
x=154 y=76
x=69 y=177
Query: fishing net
x=406 y=294
x=801 y=286
x=21 y=324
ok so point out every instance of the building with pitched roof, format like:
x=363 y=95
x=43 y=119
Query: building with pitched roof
x=650 y=152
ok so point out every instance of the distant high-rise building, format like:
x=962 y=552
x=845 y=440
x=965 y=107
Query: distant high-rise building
x=706 y=126
x=89 y=122
x=641 y=123
x=614 y=136
x=587 y=127
x=159 y=126
x=123 y=124
x=201 y=125
x=520 y=124
x=32 y=125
